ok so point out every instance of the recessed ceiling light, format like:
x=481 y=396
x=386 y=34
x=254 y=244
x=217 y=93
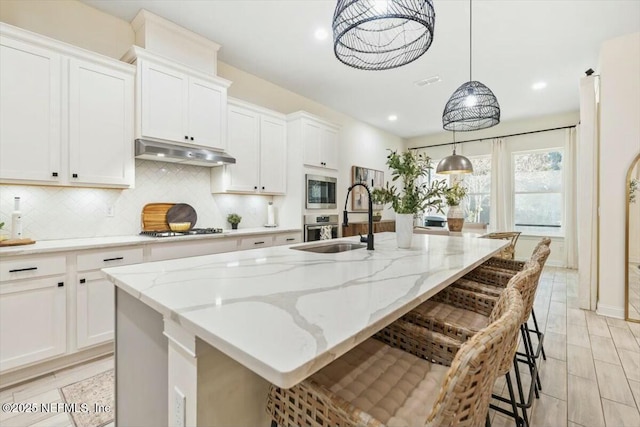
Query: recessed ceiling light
x=539 y=85
x=428 y=81
x=321 y=34
x=392 y=118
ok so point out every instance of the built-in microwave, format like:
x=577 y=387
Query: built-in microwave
x=320 y=192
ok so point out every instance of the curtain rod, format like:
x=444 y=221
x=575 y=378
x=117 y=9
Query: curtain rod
x=493 y=137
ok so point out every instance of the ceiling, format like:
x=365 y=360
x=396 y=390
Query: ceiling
x=516 y=43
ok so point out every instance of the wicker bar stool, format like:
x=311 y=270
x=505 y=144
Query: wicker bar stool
x=497 y=271
x=490 y=279
x=477 y=300
x=455 y=315
x=510 y=251
x=377 y=384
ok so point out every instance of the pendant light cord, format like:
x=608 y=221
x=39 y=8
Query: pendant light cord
x=470 y=36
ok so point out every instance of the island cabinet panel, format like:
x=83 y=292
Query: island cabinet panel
x=95 y=294
x=356 y=228
x=33 y=310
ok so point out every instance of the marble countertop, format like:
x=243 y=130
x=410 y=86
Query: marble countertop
x=286 y=313
x=61 y=245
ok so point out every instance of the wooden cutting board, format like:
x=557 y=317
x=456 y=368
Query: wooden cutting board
x=154 y=216
x=16 y=242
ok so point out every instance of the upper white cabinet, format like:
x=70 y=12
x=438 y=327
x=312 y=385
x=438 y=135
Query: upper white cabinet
x=100 y=124
x=319 y=140
x=178 y=104
x=66 y=114
x=257 y=139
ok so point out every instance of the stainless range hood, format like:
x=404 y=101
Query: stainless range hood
x=166 y=152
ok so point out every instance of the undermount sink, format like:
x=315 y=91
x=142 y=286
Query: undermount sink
x=330 y=248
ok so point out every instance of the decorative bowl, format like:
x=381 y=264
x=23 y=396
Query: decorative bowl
x=179 y=226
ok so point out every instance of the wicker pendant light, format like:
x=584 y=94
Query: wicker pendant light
x=454 y=164
x=472 y=106
x=382 y=34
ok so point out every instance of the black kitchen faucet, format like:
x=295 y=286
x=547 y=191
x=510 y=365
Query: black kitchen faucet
x=345 y=216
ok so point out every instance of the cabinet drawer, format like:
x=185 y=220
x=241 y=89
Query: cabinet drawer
x=287 y=239
x=255 y=242
x=93 y=260
x=32 y=267
x=164 y=251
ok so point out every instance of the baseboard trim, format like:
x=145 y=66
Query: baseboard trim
x=18 y=375
x=610 y=311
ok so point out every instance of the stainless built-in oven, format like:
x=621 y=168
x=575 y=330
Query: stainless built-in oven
x=320 y=192
x=320 y=227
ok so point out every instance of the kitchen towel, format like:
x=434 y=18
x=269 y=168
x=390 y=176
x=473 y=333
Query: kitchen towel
x=325 y=232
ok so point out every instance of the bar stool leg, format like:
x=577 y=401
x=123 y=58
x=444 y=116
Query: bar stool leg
x=523 y=404
x=537 y=332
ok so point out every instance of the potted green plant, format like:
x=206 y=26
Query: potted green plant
x=234 y=219
x=412 y=195
x=453 y=197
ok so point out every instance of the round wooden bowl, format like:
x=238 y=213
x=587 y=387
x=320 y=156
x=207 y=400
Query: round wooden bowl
x=179 y=226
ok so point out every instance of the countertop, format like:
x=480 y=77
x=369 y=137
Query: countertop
x=61 y=245
x=286 y=313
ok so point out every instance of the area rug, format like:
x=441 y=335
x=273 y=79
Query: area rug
x=92 y=398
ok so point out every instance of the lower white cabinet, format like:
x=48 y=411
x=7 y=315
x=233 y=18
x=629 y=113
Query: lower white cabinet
x=95 y=309
x=33 y=310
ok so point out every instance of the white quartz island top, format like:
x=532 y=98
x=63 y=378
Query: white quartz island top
x=286 y=313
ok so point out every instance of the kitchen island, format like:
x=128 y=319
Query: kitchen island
x=198 y=340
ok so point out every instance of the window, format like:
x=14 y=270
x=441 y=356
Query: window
x=537 y=201
x=477 y=204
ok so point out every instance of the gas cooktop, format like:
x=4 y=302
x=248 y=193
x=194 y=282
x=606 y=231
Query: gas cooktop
x=192 y=232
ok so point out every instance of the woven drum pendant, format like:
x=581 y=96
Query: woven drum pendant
x=382 y=34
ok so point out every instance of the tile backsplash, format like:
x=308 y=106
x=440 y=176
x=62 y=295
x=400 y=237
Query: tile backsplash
x=63 y=212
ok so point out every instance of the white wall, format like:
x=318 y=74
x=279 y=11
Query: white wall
x=619 y=144
x=81 y=25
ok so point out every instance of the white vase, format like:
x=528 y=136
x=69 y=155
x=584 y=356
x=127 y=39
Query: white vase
x=404 y=230
x=455 y=218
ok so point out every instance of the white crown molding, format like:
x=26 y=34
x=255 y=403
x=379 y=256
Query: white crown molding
x=305 y=115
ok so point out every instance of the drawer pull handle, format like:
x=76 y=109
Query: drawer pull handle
x=258 y=243
x=23 y=269
x=60 y=284
x=290 y=239
x=83 y=281
x=74 y=175
x=118 y=258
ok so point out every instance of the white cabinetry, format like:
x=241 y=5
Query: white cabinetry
x=178 y=104
x=66 y=114
x=257 y=138
x=33 y=313
x=95 y=309
x=319 y=140
x=100 y=124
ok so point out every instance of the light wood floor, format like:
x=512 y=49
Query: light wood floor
x=591 y=376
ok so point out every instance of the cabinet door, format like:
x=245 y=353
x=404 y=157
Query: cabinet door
x=273 y=155
x=164 y=103
x=95 y=309
x=329 y=150
x=30 y=102
x=33 y=321
x=244 y=134
x=312 y=142
x=100 y=124
x=207 y=109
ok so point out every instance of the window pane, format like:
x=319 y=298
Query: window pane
x=538 y=172
x=538 y=209
x=478 y=201
x=477 y=208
